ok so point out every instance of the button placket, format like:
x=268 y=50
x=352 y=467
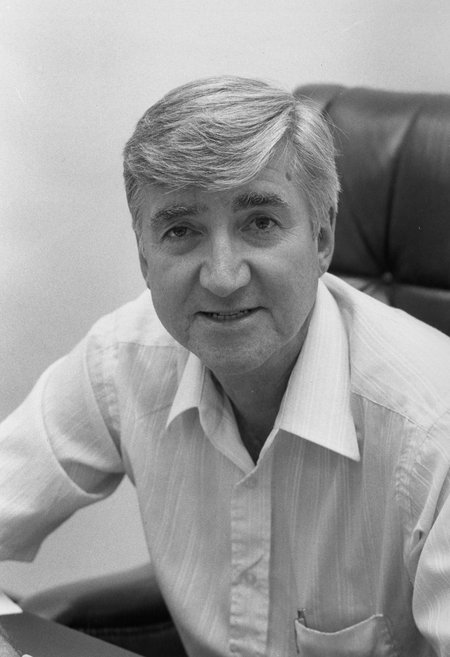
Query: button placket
x=250 y=548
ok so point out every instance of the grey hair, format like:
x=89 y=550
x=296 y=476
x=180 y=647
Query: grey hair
x=219 y=133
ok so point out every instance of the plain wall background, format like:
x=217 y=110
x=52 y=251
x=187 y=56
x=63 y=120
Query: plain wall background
x=75 y=78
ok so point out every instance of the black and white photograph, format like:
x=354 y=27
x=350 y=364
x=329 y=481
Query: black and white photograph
x=225 y=328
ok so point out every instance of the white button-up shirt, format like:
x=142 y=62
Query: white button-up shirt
x=337 y=542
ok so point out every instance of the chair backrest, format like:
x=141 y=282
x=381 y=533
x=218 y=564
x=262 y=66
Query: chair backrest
x=393 y=225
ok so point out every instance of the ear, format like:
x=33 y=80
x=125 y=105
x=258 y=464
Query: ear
x=325 y=241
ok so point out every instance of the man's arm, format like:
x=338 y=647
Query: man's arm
x=430 y=544
x=57 y=455
x=431 y=601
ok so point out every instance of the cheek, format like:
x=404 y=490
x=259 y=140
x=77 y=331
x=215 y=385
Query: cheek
x=294 y=293
x=169 y=296
x=171 y=317
x=295 y=270
x=158 y=277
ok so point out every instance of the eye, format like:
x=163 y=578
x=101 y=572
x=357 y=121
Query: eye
x=178 y=232
x=262 y=224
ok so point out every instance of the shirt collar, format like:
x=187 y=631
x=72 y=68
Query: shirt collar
x=190 y=387
x=316 y=404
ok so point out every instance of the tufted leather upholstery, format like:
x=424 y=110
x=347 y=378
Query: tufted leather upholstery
x=393 y=225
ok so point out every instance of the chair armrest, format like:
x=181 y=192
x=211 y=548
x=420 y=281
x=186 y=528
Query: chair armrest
x=121 y=599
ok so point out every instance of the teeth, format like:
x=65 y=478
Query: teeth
x=224 y=317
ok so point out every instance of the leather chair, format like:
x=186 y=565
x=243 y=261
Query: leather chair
x=392 y=241
x=125 y=609
x=393 y=225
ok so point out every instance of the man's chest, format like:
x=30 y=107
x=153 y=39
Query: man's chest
x=303 y=530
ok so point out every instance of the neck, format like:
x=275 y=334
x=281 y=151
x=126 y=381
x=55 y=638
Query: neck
x=256 y=401
x=256 y=394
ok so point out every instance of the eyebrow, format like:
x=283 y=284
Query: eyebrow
x=258 y=199
x=171 y=212
x=241 y=202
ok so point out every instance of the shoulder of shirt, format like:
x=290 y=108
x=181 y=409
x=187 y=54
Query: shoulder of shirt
x=136 y=322
x=396 y=361
x=130 y=355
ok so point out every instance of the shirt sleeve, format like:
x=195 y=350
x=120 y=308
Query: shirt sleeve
x=60 y=449
x=430 y=537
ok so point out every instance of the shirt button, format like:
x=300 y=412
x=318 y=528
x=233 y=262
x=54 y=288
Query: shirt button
x=250 y=578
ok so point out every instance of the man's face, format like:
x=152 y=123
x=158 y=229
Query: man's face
x=233 y=274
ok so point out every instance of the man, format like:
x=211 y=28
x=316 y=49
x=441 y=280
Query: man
x=287 y=435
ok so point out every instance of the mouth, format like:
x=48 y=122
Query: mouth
x=229 y=316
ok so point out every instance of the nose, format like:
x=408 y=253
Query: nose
x=224 y=269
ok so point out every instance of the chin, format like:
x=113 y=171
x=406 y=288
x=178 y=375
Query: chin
x=231 y=362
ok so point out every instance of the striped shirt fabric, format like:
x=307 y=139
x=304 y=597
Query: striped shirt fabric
x=337 y=542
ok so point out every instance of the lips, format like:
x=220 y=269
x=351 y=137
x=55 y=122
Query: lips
x=228 y=316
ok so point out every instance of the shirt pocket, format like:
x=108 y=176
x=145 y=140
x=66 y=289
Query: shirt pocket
x=369 y=638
